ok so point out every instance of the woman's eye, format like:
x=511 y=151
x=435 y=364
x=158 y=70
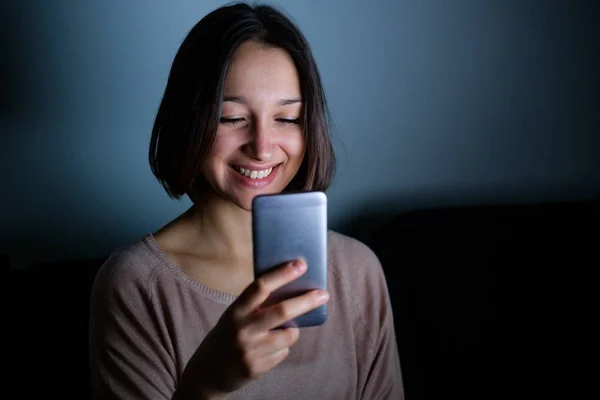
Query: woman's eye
x=238 y=121
x=231 y=121
x=288 y=121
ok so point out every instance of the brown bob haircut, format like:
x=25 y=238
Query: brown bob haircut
x=188 y=116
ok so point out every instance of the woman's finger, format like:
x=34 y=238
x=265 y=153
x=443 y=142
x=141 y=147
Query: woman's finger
x=273 y=316
x=274 y=341
x=259 y=290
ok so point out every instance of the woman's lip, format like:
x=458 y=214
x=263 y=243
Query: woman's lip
x=250 y=183
x=255 y=167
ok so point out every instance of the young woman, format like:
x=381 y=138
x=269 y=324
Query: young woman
x=177 y=315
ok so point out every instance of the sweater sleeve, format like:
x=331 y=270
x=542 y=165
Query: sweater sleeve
x=380 y=375
x=129 y=353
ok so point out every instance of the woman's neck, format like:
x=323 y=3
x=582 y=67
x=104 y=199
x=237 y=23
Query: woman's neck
x=220 y=228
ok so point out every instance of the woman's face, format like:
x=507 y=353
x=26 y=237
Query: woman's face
x=259 y=144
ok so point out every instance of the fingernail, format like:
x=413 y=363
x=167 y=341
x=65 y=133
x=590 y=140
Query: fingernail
x=298 y=266
x=322 y=295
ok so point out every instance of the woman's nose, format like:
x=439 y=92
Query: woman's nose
x=261 y=143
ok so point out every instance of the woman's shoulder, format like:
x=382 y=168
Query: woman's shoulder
x=345 y=248
x=130 y=266
x=357 y=279
x=352 y=259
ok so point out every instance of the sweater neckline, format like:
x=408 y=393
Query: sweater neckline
x=213 y=294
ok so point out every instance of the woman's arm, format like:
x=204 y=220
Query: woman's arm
x=384 y=377
x=380 y=374
x=130 y=355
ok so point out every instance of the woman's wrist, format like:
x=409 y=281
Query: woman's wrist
x=196 y=389
x=198 y=393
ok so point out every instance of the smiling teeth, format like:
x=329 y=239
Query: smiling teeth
x=254 y=174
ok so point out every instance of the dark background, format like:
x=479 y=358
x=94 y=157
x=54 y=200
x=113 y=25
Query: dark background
x=467 y=136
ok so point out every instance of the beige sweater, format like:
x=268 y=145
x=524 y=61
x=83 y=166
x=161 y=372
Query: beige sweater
x=148 y=318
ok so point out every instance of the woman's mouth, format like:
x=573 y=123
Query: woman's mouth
x=254 y=174
x=255 y=178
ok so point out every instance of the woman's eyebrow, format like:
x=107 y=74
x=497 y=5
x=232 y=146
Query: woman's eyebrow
x=242 y=100
x=294 y=100
x=235 y=99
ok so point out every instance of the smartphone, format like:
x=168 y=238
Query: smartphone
x=286 y=227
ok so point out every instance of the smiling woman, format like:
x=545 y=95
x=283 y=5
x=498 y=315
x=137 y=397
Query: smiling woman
x=179 y=314
x=198 y=95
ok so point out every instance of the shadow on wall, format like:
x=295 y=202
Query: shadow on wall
x=65 y=199
x=11 y=95
x=376 y=213
x=14 y=104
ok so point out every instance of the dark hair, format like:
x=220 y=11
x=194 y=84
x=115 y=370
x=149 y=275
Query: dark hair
x=188 y=116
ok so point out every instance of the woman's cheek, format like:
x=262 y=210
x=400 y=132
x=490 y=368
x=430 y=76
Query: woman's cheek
x=295 y=144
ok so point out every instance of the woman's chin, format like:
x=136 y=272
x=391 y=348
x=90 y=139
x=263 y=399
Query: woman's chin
x=244 y=200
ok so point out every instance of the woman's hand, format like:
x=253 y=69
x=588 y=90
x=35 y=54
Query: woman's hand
x=244 y=344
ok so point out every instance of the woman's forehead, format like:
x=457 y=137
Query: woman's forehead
x=256 y=69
